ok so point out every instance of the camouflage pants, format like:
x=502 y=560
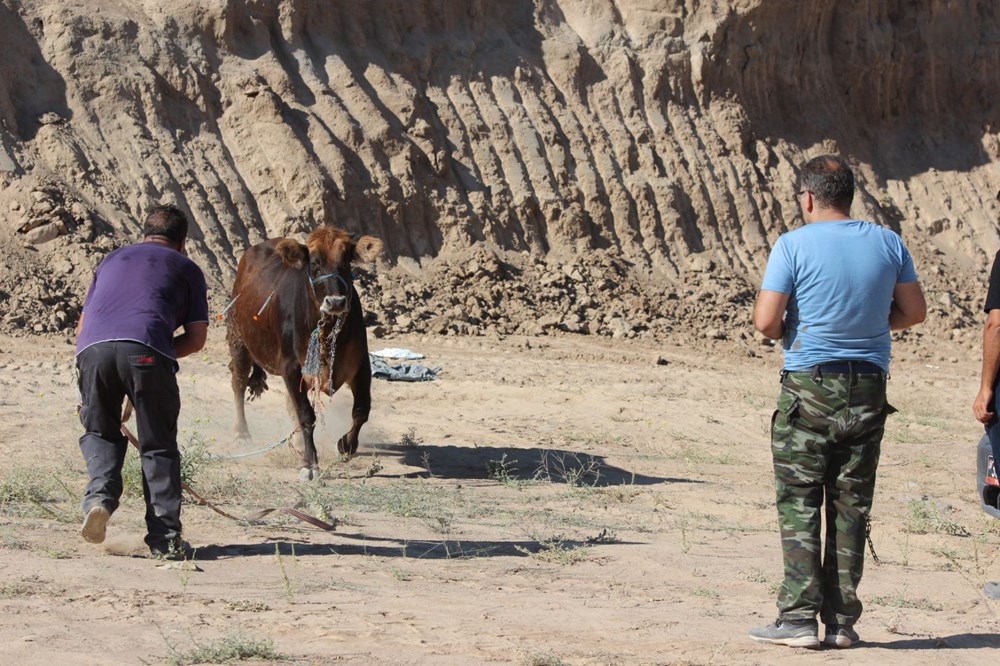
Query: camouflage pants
x=825 y=440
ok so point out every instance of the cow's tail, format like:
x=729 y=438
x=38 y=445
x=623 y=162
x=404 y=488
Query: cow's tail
x=257 y=383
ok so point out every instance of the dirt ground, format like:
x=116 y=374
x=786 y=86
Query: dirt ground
x=547 y=501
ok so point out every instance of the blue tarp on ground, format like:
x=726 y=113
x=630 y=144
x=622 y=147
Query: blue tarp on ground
x=401 y=372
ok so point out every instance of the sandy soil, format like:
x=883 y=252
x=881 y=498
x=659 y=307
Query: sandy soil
x=472 y=528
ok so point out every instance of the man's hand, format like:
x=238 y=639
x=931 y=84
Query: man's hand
x=192 y=339
x=981 y=406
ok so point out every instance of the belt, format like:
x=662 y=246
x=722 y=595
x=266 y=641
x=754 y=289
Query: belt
x=846 y=367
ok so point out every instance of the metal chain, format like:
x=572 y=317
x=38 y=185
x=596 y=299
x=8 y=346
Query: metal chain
x=868 y=537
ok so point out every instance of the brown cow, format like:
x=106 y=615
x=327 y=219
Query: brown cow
x=284 y=291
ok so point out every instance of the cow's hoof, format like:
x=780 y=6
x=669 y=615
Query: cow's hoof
x=307 y=474
x=345 y=448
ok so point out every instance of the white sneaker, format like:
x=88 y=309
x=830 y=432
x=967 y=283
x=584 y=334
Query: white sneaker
x=95 y=524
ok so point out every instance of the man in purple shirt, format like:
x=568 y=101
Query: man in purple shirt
x=126 y=347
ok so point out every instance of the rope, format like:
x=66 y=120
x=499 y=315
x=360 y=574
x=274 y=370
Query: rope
x=235 y=456
x=201 y=501
x=314 y=351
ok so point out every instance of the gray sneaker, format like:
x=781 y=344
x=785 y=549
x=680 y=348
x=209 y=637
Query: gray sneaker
x=840 y=636
x=95 y=524
x=793 y=633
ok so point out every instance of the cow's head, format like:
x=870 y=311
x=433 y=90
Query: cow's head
x=331 y=253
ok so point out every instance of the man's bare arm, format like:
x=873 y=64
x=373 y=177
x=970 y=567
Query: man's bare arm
x=908 y=306
x=192 y=339
x=991 y=365
x=769 y=313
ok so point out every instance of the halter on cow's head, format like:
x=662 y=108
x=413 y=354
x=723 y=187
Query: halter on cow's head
x=331 y=253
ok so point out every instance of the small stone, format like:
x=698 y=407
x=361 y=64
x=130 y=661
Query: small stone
x=660 y=360
x=548 y=321
x=45 y=233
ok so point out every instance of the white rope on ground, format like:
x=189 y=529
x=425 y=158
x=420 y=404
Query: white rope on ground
x=234 y=456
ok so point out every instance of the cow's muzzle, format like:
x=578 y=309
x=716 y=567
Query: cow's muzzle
x=334 y=306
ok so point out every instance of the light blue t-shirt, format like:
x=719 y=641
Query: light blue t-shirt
x=840 y=276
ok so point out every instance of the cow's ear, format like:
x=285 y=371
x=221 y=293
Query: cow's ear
x=367 y=249
x=292 y=253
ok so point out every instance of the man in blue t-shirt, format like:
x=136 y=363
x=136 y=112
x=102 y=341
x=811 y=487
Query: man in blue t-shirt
x=832 y=291
x=141 y=294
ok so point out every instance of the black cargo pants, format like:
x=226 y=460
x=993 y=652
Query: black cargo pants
x=110 y=371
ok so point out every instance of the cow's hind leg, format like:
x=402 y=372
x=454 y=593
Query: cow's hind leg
x=239 y=370
x=304 y=419
x=361 y=389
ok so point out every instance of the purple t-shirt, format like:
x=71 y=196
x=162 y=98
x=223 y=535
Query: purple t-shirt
x=143 y=293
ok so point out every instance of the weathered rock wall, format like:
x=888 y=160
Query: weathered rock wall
x=663 y=134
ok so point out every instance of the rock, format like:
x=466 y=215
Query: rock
x=43 y=207
x=530 y=328
x=62 y=266
x=45 y=233
x=701 y=263
x=574 y=324
x=549 y=321
x=79 y=211
x=660 y=360
x=620 y=328
x=549 y=278
x=50 y=118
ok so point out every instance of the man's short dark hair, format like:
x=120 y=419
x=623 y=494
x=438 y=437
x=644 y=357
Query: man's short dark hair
x=168 y=222
x=830 y=180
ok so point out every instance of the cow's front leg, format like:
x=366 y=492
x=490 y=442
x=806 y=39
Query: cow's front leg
x=303 y=420
x=361 y=389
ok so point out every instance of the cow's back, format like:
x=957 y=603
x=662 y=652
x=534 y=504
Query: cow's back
x=273 y=312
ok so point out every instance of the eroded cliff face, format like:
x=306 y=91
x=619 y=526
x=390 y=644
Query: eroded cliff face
x=660 y=136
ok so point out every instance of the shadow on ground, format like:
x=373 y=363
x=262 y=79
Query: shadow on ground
x=360 y=544
x=507 y=463
x=956 y=642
